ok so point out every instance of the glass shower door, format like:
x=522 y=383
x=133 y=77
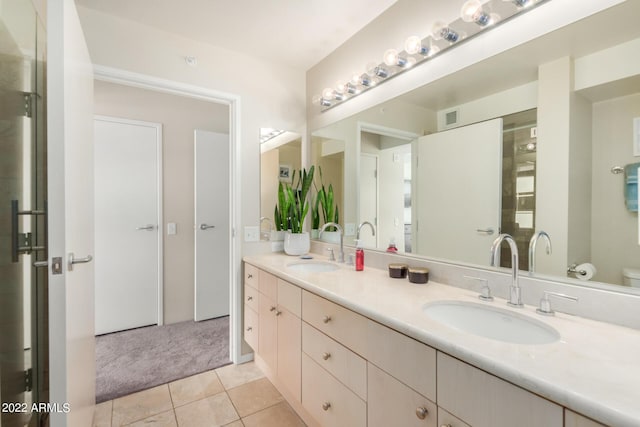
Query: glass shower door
x=23 y=285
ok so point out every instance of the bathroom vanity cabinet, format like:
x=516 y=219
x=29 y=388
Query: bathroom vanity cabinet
x=340 y=368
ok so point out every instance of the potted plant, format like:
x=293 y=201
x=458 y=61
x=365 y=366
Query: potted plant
x=315 y=217
x=297 y=241
x=330 y=212
x=281 y=214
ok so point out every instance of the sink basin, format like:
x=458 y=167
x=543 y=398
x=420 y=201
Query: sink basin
x=491 y=322
x=313 y=266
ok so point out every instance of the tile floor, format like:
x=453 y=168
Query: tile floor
x=233 y=396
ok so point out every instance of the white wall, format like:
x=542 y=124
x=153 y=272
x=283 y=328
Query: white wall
x=271 y=94
x=179 y=117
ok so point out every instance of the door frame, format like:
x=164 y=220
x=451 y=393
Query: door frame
x=233 y=101
x=159 y=189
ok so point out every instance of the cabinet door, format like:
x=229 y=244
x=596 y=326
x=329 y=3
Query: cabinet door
x=289 y=350
x=445 y=419
x=329 y=402
x=571 y=419
x=482 y=400
x=268 y=332
x=392 y=403
x=251 y=331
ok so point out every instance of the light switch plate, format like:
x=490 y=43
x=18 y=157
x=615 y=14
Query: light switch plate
x=172 y=228
x=350 y=229
x=251 y=234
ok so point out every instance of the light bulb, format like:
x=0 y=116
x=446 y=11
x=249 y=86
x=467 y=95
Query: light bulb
x=327 y=93
x=413 y=45
x=472 y=12
x=391 y=57
x=521 y=3
x=351 y=88
x=355 y=78
x=340 y=86
x=366 y=81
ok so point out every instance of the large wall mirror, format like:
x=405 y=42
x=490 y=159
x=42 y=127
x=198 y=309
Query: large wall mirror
x=538 y=138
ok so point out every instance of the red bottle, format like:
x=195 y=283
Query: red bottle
x=359 y=257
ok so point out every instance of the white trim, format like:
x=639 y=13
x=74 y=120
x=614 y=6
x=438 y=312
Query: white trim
x=160 y=190
x=114 y=75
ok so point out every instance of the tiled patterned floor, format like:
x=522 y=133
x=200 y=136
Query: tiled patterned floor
x=233 y=396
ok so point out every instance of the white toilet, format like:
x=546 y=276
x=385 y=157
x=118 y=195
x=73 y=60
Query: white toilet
x=631 y=277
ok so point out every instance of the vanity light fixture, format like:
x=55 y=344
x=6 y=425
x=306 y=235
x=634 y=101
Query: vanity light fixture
x=485 y=14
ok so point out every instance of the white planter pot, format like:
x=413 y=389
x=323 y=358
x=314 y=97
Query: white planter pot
x=314 y=233
x=297 y=243
x=330 y=237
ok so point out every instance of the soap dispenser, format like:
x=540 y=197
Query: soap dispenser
x=359 y=256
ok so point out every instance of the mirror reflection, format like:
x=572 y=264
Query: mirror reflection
x=523 y=142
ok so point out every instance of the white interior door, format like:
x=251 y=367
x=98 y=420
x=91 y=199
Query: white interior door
x=459 y=192
x=212 y=225
x=70 y=218
x=369 y=197
x=128 y=238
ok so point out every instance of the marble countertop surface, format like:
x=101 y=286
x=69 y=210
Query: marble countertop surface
x=594 y=368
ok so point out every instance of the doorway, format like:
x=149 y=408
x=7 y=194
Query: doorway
x=180 y=115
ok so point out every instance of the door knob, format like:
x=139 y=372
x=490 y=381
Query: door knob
x=148 y=227
x=488 y=231
x=206 y=226
x=73 y=260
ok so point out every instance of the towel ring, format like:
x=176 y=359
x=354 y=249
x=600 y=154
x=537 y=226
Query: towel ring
x=617 y=170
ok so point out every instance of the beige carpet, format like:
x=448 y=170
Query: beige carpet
x=142 y=358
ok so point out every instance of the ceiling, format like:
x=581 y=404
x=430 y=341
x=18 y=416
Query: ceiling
x=298 y=33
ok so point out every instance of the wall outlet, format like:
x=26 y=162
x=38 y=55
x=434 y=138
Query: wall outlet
x=252 y=234
x=350 y=229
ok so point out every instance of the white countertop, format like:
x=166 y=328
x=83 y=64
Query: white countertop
x=594 y=369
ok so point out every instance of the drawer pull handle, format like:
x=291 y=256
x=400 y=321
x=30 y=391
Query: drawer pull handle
x=445 y=425
x=249 y=329
x=326 y=319
x=273 y=308
x=326 y=356
x=326 y=406
x=249 y=298
x=278 y=312
x=421 y=412
x=250 y=276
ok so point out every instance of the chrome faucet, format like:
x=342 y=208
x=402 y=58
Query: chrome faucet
x=362 y=224
x=532 y=248
x=333 y=224
x=515 y=298
x=264 y=218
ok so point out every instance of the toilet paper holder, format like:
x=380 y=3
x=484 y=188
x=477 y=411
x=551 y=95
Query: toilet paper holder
x=573 y=269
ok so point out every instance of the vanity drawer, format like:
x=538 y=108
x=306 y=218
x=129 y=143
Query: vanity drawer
x=391 y=403
x=483 y=400
x=415 y=365
x=339 y=323
x=268 y=285
x=251 y=275
x=328 y=401
x=251 y=297
x=290 y=297
x=572 y=419
x=342 y=363
x=251 y=325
